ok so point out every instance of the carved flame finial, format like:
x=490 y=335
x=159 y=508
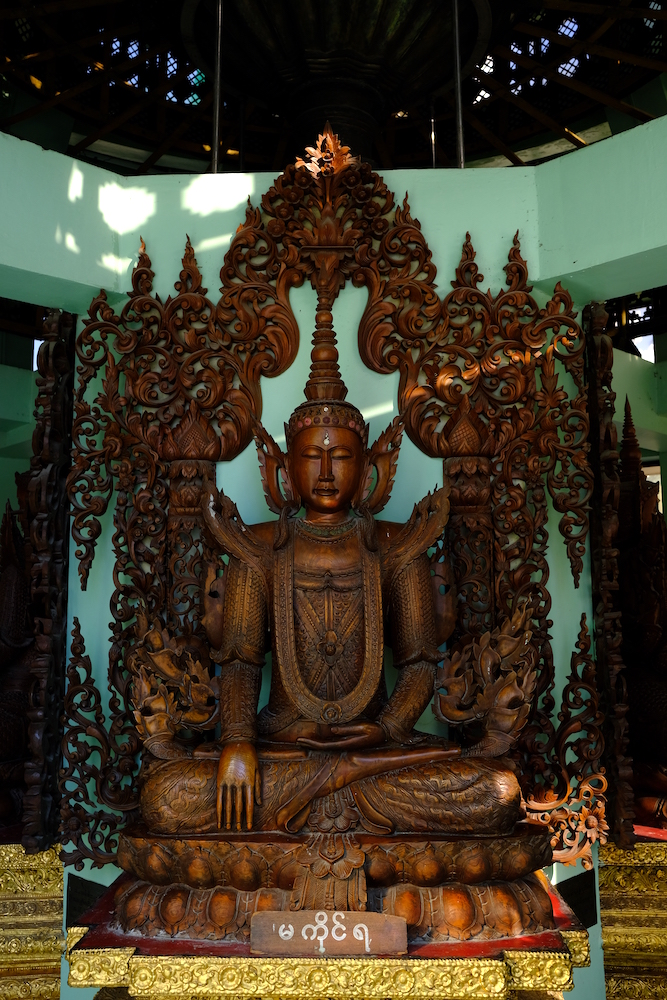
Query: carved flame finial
x=631 y=453
x=328 y=156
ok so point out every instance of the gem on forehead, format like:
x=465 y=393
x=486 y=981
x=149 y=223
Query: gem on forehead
x=326 y=437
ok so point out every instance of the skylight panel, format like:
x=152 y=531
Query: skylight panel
x=569 y=27
x=569 y=68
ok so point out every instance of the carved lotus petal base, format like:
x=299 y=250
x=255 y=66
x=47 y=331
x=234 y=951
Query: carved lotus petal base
x=458 y=912
x=454 y=912
x=249 y=862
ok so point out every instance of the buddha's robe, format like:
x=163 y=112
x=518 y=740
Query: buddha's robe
x=322 y=602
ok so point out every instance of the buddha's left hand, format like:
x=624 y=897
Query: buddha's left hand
x=349 y=736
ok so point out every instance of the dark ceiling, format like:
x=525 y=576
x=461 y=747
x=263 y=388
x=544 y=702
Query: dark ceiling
x=129 y=84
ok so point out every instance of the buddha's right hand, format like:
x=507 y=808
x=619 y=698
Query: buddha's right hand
x=238 y=783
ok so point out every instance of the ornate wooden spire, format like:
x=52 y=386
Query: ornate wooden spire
x=631 y=453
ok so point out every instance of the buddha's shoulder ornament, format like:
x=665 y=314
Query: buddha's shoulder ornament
x=426 y=524
x=232 y=536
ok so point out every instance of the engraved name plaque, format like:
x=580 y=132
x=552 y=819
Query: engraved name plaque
x=315 y=933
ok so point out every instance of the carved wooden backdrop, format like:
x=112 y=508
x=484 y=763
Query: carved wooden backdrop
x=479 y=387
x=606 y=597
x=35 y=598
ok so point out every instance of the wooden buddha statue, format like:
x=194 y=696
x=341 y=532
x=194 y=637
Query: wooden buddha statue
x=328 y=797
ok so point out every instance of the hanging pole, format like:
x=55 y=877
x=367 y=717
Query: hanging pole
x=460 y=149
x=242 y=136
x=432 y=136
x=215 y=148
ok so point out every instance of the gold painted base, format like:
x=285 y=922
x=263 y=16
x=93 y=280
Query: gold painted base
x=121 y=993
x=633 y=913
x=31 y=916
x=168 y=977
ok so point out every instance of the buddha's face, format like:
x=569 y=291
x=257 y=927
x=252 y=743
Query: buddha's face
x=326 y=466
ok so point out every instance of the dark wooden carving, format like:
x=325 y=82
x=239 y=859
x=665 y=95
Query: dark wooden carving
x=46 y=526
x=198 y=593
x=87 y=758
x=609 y=646
x=16 y=642
x=573 y=806
x=642 y=573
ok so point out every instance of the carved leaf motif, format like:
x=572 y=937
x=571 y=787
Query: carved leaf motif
x=272 y=467
x=492 y=681
x=383 y=458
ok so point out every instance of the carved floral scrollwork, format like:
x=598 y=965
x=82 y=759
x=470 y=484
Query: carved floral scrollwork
x=88 y=754
x=573 y=805
x=178 y=389
x=469 y=368
x=177 y=383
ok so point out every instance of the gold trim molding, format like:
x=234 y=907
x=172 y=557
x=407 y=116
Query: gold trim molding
x=540 y=970
x=168 y=977
x=31 y=916
x=579 y=947
x=33 y=874
x=622 y=987
x=317 y=979
x=633 y=913
x=30 y=988
x=642 y=853
x=74 y=935
x=30 y=944
x=100 y=967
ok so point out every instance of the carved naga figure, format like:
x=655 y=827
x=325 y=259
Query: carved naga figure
x=328 y=797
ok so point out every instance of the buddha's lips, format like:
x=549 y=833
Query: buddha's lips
x=326 y=491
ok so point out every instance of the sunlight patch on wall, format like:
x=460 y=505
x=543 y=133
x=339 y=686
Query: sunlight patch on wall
x=125 y=209
x=213 y=243
x=378 y=410
x=69 y=240
x=111 y=262
x=211 y=193
x=75 y=186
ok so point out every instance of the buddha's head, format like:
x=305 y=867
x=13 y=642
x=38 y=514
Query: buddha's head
x=327 y=456
x=329 y=467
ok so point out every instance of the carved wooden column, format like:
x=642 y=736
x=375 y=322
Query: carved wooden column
x=470 y=538
x=185 y=541
x=48 y=552
x=604 y=532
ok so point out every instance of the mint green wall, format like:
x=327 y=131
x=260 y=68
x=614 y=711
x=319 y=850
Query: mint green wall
x=595 y=219
x=603 y=216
